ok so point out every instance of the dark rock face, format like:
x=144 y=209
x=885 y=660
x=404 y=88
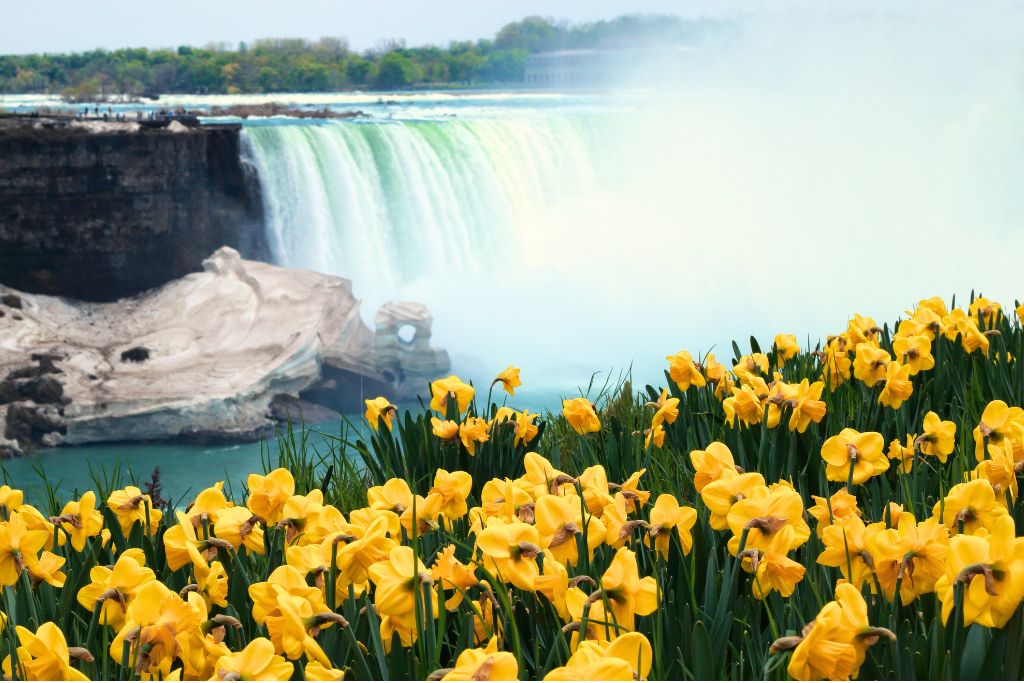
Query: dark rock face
x=103 y=213
x=32 y=404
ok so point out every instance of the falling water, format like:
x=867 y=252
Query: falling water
x=386 y=204
x=795 y=174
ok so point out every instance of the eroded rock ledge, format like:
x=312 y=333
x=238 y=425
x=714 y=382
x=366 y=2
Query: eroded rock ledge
x=216 y=355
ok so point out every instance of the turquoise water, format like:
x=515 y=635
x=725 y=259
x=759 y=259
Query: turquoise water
x=184 y=469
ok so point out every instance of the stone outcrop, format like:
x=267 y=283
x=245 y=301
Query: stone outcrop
x=100 y=210
x=216 y=355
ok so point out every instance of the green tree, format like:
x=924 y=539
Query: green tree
x=358 y=70
x=532 y=34
x=395 y=71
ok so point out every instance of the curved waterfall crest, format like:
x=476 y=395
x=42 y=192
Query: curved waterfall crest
x=389 y=203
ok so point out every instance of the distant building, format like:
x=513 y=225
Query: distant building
x=590 y=67
x=564 y=67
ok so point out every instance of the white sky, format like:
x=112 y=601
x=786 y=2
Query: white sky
x=73 y=25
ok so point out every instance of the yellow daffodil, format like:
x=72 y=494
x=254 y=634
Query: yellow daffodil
x=786 y=347
x=398 y=580
x=586 y=665
x=870 y=363
x=473 y=431
x=773 y=569
x=990 y=565
x=904 y=454
x=316 y=671
x=241 y=528
x=854 y=456
x=42 y=656
x=914 y=351
x=503 y=499
x=972 y=338
x=541 y=477
x=745 y=404
x=208 y=505
x=484 y=664
x=985 y=312
x=114 y=587
x=377 y=409
x=762 y=517
x=450 y=387
x=667 y=515
x=840 y=507
x=210 y=579
x=654 y=435
x=509 y=551
x=710 y=463
x=684 y=371
x=713 y=370
x=596 y=489
x=453 y=488
x=17 y=544
x=154 y=622
x=446 y=430
x=666 y=409
x=807 y=407
x=835 y=363
x=627 y=593
x=938 y=437
x=559 y=519
x=355 y=558
x=846 y=548
x=509 y=379
x=46 y=568
x=636 y=498
x=10 y=500
x=553 y=584
x=80 y=520
x=581 y=416
x=268 y=494
x=720 y=495
x=257 y=661
x=129 y=505
x=453 y=575
x=422 y=514
x=999 y=470
x=897 y=387
x=393 y=495
x=971 y=506
x=862 y=330
x=750 y=367
x=526 y=430
x=835 y=644
x=998 y=422
x=913 y=553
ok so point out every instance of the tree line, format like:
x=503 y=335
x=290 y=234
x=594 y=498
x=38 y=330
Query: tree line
x=327 y=64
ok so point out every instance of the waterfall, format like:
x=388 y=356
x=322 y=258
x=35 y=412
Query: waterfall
x=575 y=240
x=390 y=203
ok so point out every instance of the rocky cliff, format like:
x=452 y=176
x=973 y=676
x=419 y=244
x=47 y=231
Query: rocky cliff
x=218 y=354
x=100 y=210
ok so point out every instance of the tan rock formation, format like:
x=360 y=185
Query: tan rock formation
x=207 y=354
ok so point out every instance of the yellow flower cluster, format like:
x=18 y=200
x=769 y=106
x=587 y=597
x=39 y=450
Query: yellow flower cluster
x=587 y=548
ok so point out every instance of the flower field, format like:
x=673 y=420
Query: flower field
x=846 y=511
